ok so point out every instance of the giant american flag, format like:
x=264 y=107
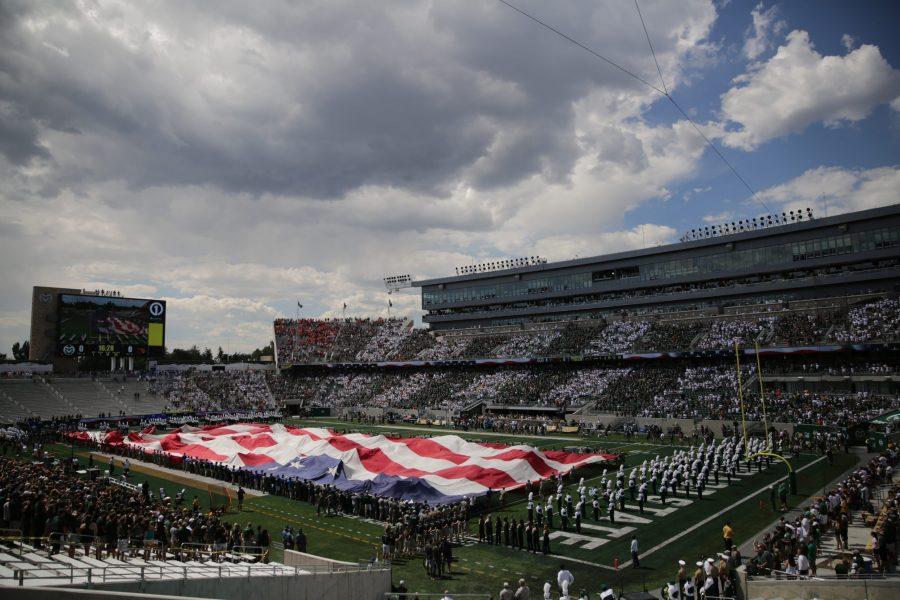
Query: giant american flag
x=440 y=469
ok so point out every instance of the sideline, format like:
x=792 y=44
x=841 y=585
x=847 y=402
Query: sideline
x=174 y=475
x=747 y=546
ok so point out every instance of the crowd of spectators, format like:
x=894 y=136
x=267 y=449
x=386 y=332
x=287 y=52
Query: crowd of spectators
x=526 y=344
x=800 y=329
x=305 y=340
x=663 y=390
x=410 y=528
x=698 y=393
x=59 y=510
x=724 y=333
x=444 y=348
x=340 y=340
x=618 y=336
x=842 y=369
x=498 y=385
x=671 y=335
x=585 y=385
x=834 y=409
x=372 y=340
x=874 y=321
x=202 y=391
x=406 y=389
x=386 y=342
x=793 y=547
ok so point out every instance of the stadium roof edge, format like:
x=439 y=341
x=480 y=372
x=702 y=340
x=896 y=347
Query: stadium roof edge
x=861 y=215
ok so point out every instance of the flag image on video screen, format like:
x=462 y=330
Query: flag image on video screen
x=109 y=325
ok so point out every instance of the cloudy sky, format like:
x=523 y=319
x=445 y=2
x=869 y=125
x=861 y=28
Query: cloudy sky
x=235 y=161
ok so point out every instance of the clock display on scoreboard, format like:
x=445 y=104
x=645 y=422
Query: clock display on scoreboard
x=110 y=326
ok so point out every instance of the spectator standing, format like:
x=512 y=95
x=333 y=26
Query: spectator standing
x=564 y=579
x=401 y=590
x=523 y=593
x=727 y=536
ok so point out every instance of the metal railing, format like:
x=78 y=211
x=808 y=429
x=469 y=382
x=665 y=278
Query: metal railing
x=785 y=576
x=125 y=484
x=58 y=573
x=67 y=542
x=8 y=539
x=423 y=595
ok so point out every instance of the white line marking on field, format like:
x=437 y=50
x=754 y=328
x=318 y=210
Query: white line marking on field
x=571 y=538
x=724 y=510
x=613 y=532
x=583 y=562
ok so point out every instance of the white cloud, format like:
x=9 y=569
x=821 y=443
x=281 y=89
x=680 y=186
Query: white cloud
x=798 y=86
x=686 y=196
x=719 y=217
x=235 y=162
x=766 y=24
x=834 y=190
x=640 y=236
x=848 y=41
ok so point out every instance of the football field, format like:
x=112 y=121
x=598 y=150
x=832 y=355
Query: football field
x=687 y=528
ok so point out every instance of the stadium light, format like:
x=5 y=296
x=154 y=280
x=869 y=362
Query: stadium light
x=749 y=224
x=396 y=283
x=502 y=264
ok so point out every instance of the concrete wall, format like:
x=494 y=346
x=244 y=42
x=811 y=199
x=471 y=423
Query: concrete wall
x=851 y=589
x=292 y=558
x=359 y=585
x=54 y=593
x=687 y=425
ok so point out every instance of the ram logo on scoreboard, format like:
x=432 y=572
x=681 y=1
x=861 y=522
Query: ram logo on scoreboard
x=110 y=326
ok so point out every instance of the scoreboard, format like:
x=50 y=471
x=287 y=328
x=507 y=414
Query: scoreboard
x=91 y=325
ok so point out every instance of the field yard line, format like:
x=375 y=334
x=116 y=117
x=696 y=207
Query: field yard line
x=724 y=510
x=584 y=562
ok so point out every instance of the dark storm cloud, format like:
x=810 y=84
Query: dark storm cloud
x=309 y=99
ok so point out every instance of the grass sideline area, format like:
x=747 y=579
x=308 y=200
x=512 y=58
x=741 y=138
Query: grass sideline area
x=482 y=568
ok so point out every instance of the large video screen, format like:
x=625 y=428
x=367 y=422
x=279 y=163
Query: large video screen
x=111 y=326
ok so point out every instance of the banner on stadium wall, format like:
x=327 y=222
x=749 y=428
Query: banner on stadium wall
x=510 y=361
x=888 y=418
x=188 y=417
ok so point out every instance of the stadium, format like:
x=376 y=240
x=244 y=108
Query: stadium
x=600 y=401
x=512 y=300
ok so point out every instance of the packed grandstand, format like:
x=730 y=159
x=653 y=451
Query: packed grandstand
x=769 y=324
x=449 y=372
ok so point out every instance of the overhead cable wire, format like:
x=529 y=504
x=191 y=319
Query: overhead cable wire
x=663 y=92
x=582 y=46
x=649 y=43
x=692 y=122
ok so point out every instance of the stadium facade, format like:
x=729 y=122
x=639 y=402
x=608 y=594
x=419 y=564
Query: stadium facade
x=828 y=257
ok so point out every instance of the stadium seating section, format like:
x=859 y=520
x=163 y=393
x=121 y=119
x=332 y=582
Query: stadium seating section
x=690 y=388
x=28 y=397
x=304 y=341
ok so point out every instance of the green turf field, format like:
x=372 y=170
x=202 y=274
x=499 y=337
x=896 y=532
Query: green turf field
x=690 y=530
